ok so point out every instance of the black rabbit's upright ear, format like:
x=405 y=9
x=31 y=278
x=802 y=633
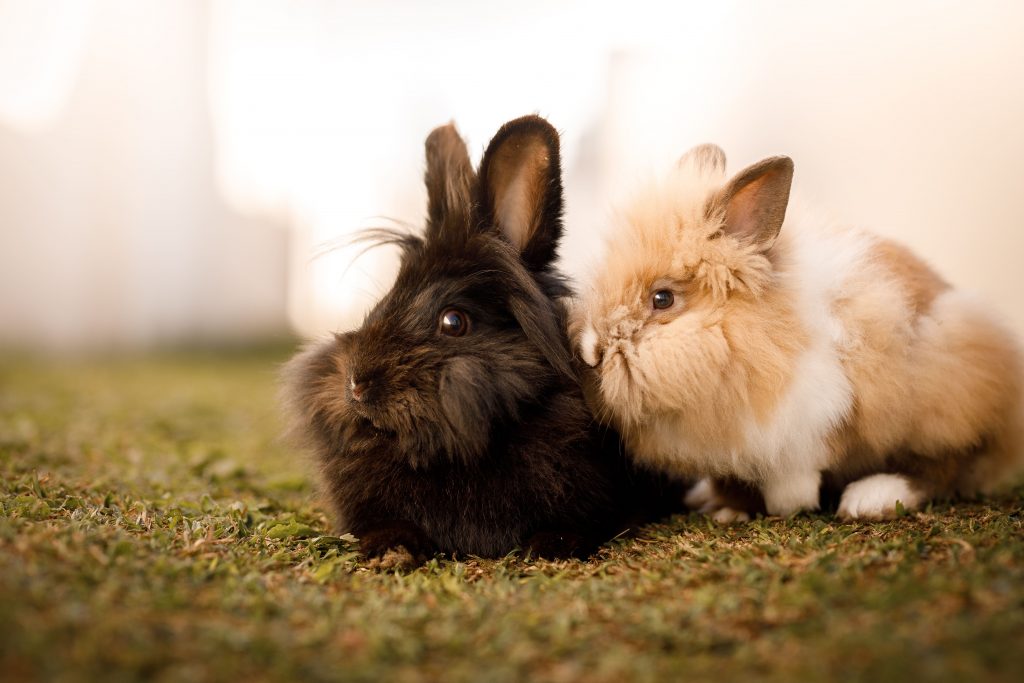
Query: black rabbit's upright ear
x=450 y=179
x=521 y=188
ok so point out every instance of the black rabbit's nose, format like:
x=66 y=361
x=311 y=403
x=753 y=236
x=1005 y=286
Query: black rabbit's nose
x=358 y=388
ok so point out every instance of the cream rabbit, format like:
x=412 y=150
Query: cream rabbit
x=737 y=344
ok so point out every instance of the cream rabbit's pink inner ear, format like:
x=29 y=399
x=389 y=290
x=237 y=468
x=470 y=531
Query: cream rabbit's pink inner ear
x=754 y=202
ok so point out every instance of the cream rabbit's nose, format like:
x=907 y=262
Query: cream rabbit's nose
x=589 y=350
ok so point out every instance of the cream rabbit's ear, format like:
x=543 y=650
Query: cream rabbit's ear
x=706 y=159
x=755 y=201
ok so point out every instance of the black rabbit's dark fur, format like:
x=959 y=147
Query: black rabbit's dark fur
x=481 y=443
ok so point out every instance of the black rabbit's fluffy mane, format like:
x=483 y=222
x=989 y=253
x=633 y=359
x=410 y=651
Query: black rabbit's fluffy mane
x=451 y=398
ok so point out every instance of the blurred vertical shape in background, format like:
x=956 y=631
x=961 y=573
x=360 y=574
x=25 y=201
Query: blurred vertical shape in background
x=169 y=171
x=41 y=51
x=114 y=234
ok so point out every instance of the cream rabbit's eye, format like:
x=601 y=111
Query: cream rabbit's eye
x=663 y=299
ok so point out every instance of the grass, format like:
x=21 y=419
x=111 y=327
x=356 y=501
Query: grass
x=153 y=527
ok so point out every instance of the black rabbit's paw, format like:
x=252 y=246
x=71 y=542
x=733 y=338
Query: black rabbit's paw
x=392 y=559
x=398 y=545
x=558 y=545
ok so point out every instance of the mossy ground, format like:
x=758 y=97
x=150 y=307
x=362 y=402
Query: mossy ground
x=153 y=526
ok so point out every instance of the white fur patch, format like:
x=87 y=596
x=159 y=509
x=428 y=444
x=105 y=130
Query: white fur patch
x=788 y=451
x=875 y=497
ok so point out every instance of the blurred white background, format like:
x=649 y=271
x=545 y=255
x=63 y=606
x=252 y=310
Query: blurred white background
x=170 y=169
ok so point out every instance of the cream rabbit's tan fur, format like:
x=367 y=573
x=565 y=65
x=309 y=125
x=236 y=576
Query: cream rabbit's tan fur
x=793 y=352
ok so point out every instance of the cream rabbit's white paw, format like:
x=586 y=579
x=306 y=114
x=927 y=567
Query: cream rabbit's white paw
x=702 y=497
x=875 y=497
x=727 y=515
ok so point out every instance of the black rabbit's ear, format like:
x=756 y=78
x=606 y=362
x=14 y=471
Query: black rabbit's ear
x=521 y=188
x=449 y=178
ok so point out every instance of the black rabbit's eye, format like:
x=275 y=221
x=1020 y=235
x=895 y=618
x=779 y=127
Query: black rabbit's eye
x=454 y=323
x=663 y=298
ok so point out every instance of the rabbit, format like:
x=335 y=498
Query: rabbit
x=778 y=358
x=452 y=420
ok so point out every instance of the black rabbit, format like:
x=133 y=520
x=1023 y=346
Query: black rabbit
x=453 y=420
